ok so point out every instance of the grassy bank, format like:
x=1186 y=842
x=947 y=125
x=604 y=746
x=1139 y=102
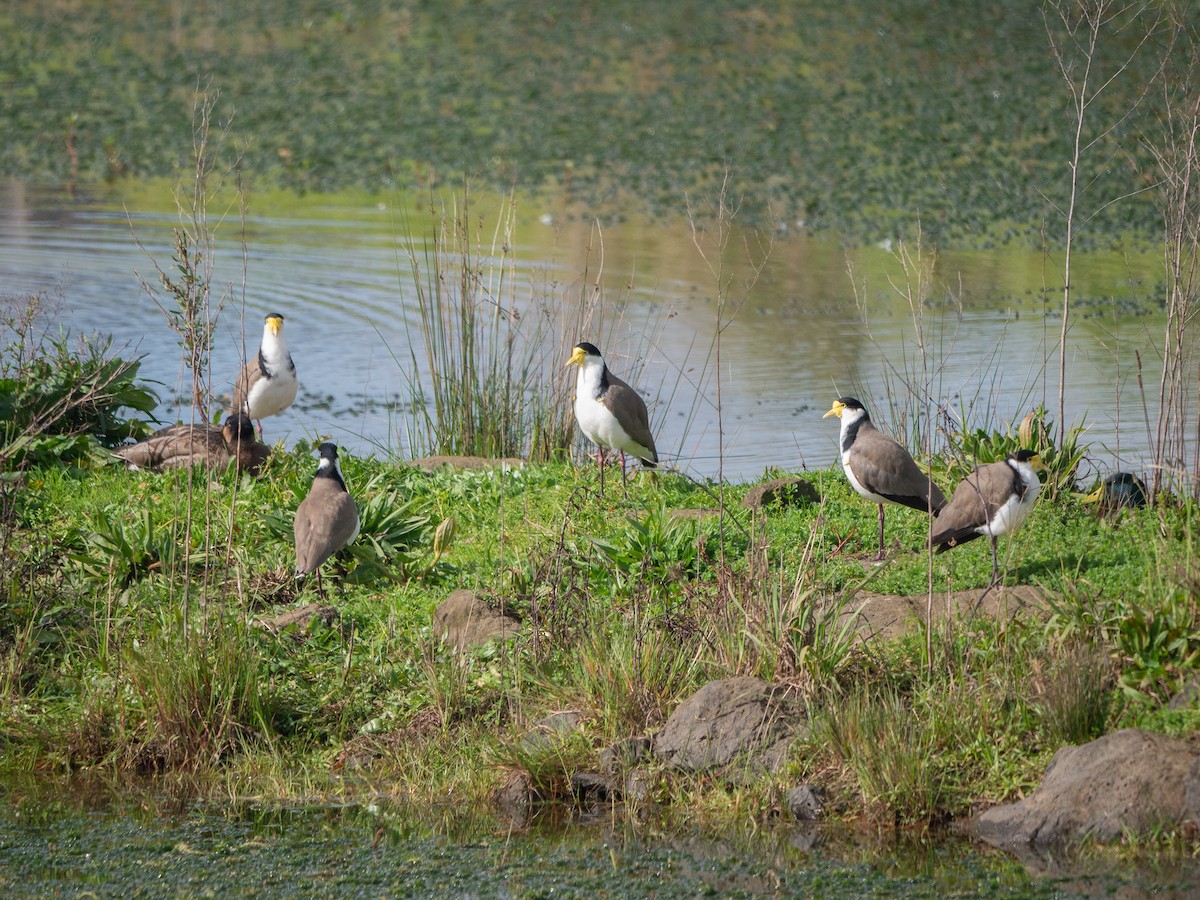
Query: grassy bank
x=132 y=636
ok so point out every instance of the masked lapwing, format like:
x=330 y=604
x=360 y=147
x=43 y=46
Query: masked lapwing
x=180 y=446
x=610 y=413
x=991 y=501
x=327 y=519
x=1121 y=490
x=267 y=384
x=879 y=468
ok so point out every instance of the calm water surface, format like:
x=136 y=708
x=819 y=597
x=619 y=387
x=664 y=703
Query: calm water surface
x=819 y=321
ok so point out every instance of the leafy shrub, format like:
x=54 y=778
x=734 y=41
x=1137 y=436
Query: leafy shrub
x=57 y=402
x=1035 y=432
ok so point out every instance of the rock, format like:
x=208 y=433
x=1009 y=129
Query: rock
x=515 y=798
x=785 y=491
x=806 y=802
x=300 y=618
x=549 y=732
x=1127 y=780
x=726 y=719
x=639 y=786
x=430 y=463
x=464 y=620
x=624 y=755
x=590 y=789
x=1186 y=698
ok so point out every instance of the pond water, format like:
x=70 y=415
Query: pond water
x=83 y=844
x=818 y=321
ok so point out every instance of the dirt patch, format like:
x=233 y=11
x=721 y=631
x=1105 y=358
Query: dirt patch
x=430 y=463
x=888 y=616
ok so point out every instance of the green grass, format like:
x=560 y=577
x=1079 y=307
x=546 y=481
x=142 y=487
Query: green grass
x=131 y=655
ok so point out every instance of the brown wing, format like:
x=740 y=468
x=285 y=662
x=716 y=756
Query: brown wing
x=975 y=501
x=176 y=447
x=884 y=467
x=241 y=390
x=326 y=521
x=629 y=408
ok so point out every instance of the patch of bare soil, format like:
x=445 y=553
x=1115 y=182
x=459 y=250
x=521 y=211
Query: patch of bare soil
x=430 y=463
x=888 y=616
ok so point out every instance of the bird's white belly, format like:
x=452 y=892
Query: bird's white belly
x=273 y=396
x=1010 y=515
x=601 y=426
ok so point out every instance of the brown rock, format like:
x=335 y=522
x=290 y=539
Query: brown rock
x=464 y=620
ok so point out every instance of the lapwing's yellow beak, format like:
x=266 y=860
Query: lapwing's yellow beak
x=835 y=410
x=1095 y=496
x=274 y=323
x=576 y=358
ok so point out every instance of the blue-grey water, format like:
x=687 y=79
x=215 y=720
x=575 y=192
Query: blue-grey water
x=804 y=321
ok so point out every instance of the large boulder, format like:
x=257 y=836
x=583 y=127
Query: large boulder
x=724 y=720
x=464 y=620
x=1128 y=780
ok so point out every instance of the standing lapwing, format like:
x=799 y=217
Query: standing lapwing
x=180 y=446
x=879 y=468
x=992 y=500
x=610 y=413
x=327 y=519
x=267 y=384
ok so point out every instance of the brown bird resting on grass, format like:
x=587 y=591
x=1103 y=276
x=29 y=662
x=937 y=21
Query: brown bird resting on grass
x=610 y=413
x=879 y=468
x=267 y=384
x=992 y=500
x=327 y=519
x=180 y=446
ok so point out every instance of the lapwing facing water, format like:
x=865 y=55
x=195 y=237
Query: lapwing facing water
x=180 y=446
x=879 y=468
x=610 y=413
x=991 y=501
x=327 y=519
x=267 y=384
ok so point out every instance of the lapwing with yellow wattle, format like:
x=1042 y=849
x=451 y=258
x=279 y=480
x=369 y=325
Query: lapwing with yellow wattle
x=267 y=384
x=1120 y=490
x=991 y=501
x=879 y=468
x=327 y=519
x=201 y=444
x=610 y=413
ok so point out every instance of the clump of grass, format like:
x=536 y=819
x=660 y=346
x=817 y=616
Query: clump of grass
x=491 y=392
x=893 y=749
x=202 y=695
x=1072 y=692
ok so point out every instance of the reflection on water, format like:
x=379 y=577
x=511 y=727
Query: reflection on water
x=135 y=842
x=816 y=322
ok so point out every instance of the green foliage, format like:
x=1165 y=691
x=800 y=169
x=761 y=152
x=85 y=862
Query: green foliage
x=658 y=550
x=121 y=548
x=201 y=693
x=56 y=403
x=392 y=534
x=895 y=753
x=1035 y=432
x=1074 y=693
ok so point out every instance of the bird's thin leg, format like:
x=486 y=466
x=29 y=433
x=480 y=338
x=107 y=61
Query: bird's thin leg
x=995 y=565
x=600 y=463
x=624 y=482
x=320 y=587
x=879 y=555
x=260 y=434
